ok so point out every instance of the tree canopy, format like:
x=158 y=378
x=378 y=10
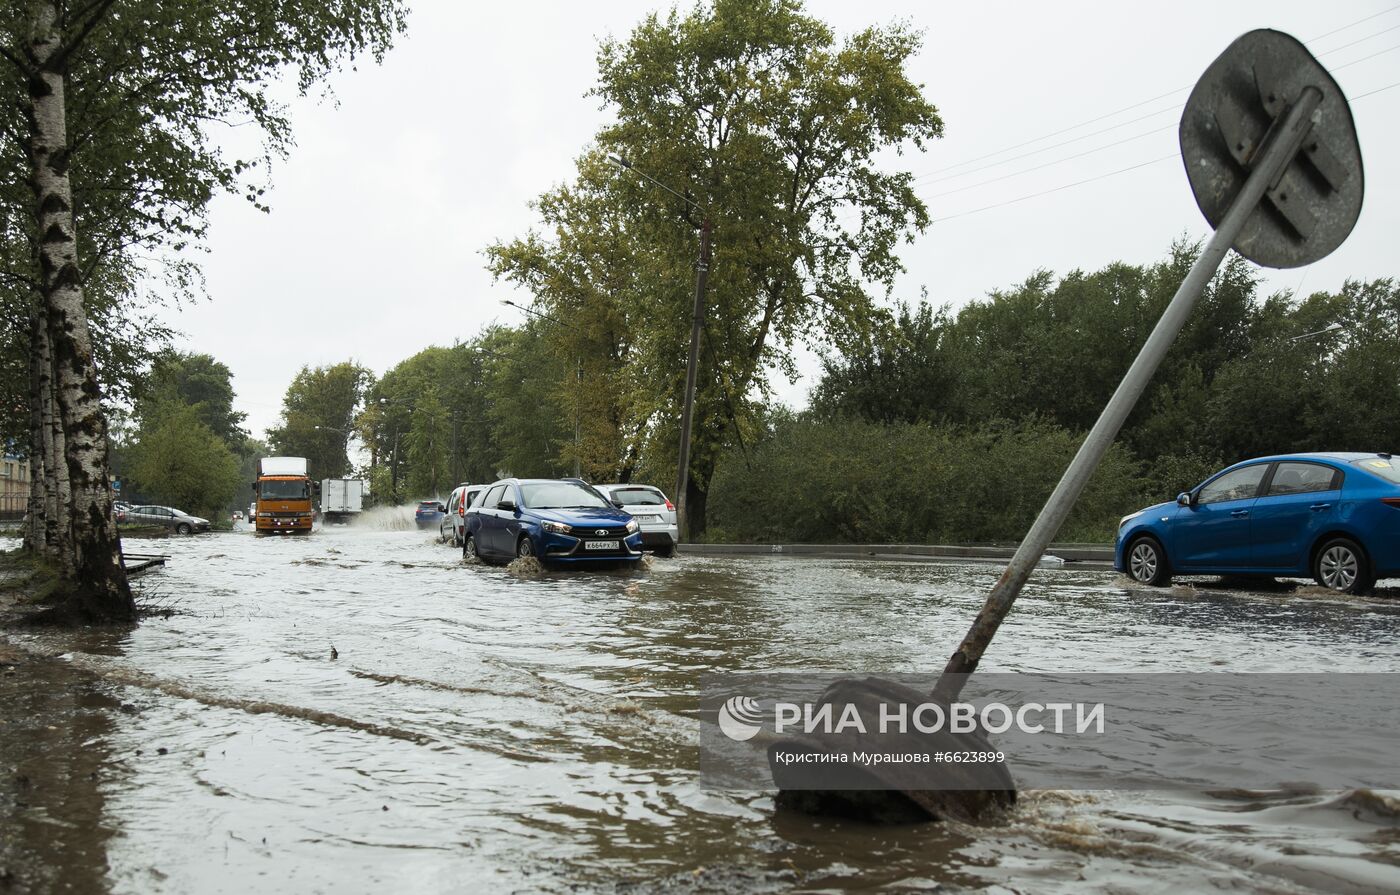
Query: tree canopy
x=755 y=118
x=318 y=417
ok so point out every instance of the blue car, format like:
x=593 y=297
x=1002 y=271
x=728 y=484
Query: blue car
x=428 y=513
x=1334 y=517
x=560 y=521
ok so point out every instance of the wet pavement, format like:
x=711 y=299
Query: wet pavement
x=360 y=711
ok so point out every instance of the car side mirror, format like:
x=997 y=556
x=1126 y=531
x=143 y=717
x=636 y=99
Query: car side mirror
x=506 y=504
x=617 y=503
x=1183 y=499
x=442 y=508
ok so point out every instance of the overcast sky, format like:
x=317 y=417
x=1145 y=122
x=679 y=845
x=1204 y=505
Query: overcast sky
x=373 y=249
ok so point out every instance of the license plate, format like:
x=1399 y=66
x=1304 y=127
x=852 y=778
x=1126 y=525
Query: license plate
x=600 y=545
x=648 y=518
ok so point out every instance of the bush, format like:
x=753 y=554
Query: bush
x=849 y=480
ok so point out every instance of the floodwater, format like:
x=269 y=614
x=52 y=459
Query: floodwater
x=360 y=711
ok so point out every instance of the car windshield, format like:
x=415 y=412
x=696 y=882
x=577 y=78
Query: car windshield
x=638 y=496
x=557 y=495
x=1384 y=467
x=427 y=504
x=273 y=489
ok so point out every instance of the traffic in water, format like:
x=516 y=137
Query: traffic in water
x=361 y=709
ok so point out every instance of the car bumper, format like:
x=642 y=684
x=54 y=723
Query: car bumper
x=287 y=524
x=659 y=537
x=560 y=548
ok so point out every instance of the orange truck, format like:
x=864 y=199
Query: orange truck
x=282 y=496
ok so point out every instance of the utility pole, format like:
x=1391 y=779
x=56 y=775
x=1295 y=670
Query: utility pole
x=578 y=413
x=453 y=474
x=702 y=269
x=697 y=320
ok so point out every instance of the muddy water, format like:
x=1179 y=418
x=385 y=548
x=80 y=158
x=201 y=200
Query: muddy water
x=359 y=711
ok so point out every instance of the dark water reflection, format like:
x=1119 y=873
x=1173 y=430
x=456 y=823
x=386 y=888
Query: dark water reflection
x=479 y=728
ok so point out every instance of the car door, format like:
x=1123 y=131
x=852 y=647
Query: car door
x=1214 y=532
x=1299 y=501
x=448 y=523
x=489 y=535
x=508 y=522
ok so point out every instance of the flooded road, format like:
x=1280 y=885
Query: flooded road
x=360 y=711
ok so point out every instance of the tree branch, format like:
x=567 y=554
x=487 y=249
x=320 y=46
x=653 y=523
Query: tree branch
x=95 y=11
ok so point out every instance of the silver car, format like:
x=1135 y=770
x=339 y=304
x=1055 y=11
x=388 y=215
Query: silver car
x=176 y=520
x=452 y=528
x=653 y=512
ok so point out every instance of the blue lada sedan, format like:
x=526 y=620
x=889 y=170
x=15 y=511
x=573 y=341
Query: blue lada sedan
x=558 y=521
x=1334 y=517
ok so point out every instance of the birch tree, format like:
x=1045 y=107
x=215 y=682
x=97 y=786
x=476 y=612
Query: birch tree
x=115 y=99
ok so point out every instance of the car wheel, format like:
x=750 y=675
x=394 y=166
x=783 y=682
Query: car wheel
x=1147 y=562
x=665 y=552
x=469 y=549
x=183 y=528
x=1341 y=565
x=525 y=547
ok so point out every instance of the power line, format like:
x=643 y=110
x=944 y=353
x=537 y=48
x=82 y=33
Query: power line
x=963 y=214
x=1354 y=24
x=1053 y=163
x=1374 y=92
x=1048 y=148
x=1360 y=40
x=1105 y=116
x=1110 y=173
x=1390 y=49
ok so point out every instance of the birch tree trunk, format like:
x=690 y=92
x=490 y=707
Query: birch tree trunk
x=36 y=519
x=93 y=579
x=47 y=506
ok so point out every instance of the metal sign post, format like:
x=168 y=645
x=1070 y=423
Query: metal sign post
x=1271 y=153
x=1265 y=113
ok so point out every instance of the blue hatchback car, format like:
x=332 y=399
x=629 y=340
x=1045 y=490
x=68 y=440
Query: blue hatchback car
x=1334 y=517
x=561 y=521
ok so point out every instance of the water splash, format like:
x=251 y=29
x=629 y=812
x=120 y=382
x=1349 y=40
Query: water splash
x=385 y=519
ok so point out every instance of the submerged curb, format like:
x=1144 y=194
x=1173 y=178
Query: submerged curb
x=1085 y=556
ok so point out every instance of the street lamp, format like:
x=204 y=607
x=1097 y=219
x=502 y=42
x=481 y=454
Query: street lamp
x=1329 y=328
x=578 y=379
x=702 y=269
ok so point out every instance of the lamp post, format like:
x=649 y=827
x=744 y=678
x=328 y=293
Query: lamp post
x=702 y=269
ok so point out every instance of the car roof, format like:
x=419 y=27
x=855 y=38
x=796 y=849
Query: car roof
x=1335 y=456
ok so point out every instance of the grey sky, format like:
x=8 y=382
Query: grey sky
x=373 y=248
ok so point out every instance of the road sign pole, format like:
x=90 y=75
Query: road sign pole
x=1272 y=161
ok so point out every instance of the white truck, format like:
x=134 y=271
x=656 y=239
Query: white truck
x=341 y=499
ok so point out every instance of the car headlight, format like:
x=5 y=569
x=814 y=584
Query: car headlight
x=632 y=525
x=1126 y=519
x=558 y=528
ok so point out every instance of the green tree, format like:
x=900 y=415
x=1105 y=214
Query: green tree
x=201 y=382
x=771 y=130
x=178 y=460
x=429 y=446
x=107 y=114
x=318 y=417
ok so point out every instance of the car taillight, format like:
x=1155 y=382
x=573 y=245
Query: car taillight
x=670 y=506
x=1393 y=501
x=462 y=510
